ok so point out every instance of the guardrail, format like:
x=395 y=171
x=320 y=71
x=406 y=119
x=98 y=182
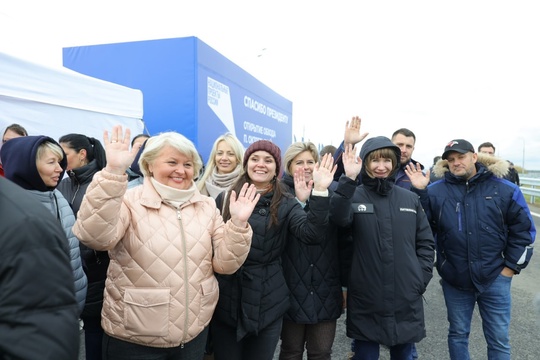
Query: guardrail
x=531 y=187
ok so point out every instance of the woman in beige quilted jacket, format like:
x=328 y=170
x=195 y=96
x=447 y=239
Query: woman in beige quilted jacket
x=165 y=241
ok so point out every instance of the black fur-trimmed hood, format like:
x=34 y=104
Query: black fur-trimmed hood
x=499 y=167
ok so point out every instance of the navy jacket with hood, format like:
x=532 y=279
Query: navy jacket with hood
x=19 y=159
x=393 y=254
x=481 y=224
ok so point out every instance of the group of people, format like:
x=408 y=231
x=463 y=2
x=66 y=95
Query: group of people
x=181 y=263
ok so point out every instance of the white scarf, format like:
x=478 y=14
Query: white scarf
x=172 y=196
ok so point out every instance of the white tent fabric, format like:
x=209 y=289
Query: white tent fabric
x=58 y=101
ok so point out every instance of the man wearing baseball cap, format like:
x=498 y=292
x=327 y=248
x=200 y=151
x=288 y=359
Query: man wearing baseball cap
x=484 y=233
x=459 y=145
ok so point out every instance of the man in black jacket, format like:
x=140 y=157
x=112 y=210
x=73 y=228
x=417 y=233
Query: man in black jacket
x=512 y=174
x=38 y=311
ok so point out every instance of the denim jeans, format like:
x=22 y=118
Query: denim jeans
x=367 y=350
x=494 y=305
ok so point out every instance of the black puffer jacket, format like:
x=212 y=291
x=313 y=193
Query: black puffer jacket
x=393 y=254
x=312 y=273
x=257 y=294
x=38 y=310
x=95 y=263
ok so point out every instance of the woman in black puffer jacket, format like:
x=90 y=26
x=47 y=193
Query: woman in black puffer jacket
x=312 y=272
x=252 y=301
x=86 y=156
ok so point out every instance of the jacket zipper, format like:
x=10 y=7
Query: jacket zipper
x=77 y=189
x=458 y=211
x=179 y=216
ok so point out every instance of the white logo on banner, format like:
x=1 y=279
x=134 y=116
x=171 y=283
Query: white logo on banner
x=219 y=100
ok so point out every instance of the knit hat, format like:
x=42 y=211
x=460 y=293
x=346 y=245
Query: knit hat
x=269 y=147
x=459 y=145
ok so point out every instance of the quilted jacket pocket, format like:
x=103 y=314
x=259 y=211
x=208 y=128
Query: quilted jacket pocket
x=209 y=295
x=146 y=311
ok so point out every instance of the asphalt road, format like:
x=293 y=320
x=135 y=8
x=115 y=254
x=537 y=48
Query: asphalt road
x=524 y=327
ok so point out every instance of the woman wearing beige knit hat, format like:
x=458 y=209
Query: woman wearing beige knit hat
x=252 y=302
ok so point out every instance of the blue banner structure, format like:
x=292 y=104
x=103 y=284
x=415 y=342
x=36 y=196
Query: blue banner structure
x=190 y=88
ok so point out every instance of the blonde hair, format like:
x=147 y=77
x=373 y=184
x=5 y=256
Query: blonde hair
x=155 y=144
x=235 y=145
x=47 y=145
x=297 y=148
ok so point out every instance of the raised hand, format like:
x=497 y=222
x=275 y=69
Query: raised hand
x=302 y=189
x=418 y=179
x=352 y=164
x=242 y=206
x=323 y=173
x=119 y=155
x=352 y=132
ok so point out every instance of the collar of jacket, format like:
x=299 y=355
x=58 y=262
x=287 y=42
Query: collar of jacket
x=83 y=174
x=497 y=166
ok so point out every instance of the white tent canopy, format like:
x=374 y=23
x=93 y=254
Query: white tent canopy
x=58 y=101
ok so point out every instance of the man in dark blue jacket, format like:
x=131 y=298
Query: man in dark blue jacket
x=484 y=233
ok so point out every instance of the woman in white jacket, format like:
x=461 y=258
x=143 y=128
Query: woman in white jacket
x=165 y=241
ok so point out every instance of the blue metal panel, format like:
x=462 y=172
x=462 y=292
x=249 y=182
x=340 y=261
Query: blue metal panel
x=190 y=88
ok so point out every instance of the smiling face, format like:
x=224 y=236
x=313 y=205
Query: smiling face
x=225 y=159
x=380 y=167
x=48 y=166
x=261 y=168
x=304 y=161
x=173 y=168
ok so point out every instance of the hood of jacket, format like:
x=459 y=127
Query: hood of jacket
x=380 y=186
x=497 y=166
x=19 y=160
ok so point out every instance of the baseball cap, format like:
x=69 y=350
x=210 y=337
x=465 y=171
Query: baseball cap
x=459 y=145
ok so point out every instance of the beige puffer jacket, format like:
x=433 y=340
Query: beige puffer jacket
x=160 y=290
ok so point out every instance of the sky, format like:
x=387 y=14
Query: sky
x=443 y=69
